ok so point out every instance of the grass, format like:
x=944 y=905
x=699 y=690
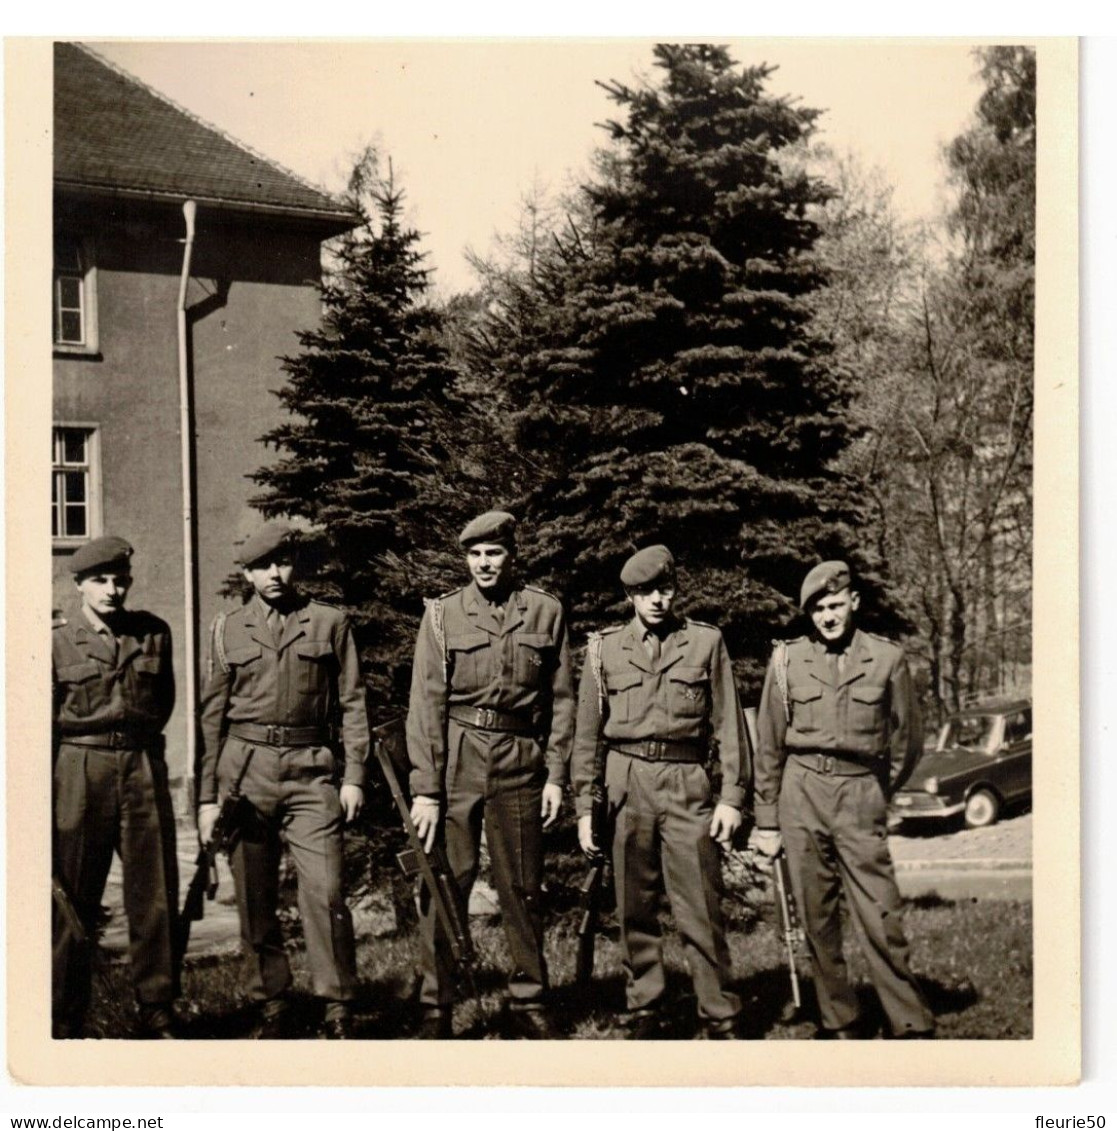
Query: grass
x=972 y=957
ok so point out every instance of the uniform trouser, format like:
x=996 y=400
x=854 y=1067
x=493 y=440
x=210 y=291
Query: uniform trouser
x=834 y=830
x=497 y=778
x=106 y=800
x=662 y=827
x=294 y=801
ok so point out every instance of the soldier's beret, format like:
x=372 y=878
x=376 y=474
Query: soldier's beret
x=101 y=553
x=647 y=565
x=826 y=577
x=270 y=537
x=492 y=526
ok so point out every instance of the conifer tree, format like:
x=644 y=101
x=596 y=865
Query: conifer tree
x=368 y=394
x=671 y=384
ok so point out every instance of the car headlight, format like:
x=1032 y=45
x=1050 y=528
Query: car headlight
x=931 y=785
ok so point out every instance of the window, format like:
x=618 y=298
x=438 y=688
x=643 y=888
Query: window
x=75 y=296
x=1018 y=727
x=75 y=484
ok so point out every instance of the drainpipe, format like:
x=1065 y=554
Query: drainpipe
x=189 y=210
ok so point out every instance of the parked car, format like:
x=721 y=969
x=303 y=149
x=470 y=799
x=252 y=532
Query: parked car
x=981 y=762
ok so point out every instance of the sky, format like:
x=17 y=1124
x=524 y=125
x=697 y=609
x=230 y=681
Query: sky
x=472 y=125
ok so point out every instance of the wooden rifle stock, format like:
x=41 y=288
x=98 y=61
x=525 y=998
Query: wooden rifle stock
x=389 y=743
x=789 y=920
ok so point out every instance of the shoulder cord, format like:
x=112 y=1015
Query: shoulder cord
x=779 y=657
x=217 y=648
x=594 y=657
x=438 y=627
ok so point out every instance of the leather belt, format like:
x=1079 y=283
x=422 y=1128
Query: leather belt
x=834 y=764
x=274 y=735
x=487 y=718
x=662 y=750
x=110 y=740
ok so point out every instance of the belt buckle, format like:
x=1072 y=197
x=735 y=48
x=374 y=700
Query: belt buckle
x=488 y=718
x=827 y=764
x=275 y=736
x=655 y=749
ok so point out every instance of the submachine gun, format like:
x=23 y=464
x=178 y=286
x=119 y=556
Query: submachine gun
x=389 y=743
x=203 y=883
x=589 y=892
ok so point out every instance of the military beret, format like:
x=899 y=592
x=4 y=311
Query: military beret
x=826 y=577
x=492 y=526
x=99 y=553
x=270 y=537
x=647 y=565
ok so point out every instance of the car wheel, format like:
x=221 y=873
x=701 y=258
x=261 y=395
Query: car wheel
x=982 y=808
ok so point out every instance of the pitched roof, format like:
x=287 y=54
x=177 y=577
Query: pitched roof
x=113 y=132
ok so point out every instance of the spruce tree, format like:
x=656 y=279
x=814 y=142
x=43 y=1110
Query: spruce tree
x=369 y=394
x=672 y=385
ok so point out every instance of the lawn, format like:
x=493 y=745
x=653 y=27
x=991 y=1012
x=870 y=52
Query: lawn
x=974 y=959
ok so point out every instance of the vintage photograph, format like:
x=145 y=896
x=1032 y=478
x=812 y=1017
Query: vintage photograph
x=543 y=557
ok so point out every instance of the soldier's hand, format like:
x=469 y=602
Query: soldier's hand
x=207 y=818
x=352 y=801
x=552 y=803
x=424 y=816
x=725 y=822
x=767 y=841
x=585 y=836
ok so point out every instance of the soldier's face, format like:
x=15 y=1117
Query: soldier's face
x=653 y=606
x=104 y=592
x=272 y=577
x=489 y=563
x=833 y=613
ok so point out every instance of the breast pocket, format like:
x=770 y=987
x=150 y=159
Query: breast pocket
x=80 y=686
x=866 y=709
x=805 y=708
x=316 y=660
x=244 y=664
x=623 y=688
x=532 y=650
x=146 y=670
x=470 y=660
x=689 y=692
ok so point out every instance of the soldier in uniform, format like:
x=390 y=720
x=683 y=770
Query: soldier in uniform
x=839 y=732
x=659 y=693
x=283 y=676
x=488 y=734
x=114 y=690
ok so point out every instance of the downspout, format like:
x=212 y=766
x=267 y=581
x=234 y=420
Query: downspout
x=189 y=210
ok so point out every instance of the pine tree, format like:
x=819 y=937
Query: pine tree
x=671 y=385
x=369 y=394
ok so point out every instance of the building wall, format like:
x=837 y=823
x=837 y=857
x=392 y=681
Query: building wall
x=252 y=286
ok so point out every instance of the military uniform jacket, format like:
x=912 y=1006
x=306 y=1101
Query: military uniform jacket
x=688 y=696
x=98 y=688
x=868 y=713
x=312 y=678
x=465 y=654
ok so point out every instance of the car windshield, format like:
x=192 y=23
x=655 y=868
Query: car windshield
x=974 y=732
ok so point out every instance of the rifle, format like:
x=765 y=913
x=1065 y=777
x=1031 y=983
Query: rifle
x=389 y=743
x=70 y=917
x=590 y=888
x=789 y=920
x=203 y=883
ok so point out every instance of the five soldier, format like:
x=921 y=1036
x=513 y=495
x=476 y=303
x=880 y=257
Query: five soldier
x=490 y=735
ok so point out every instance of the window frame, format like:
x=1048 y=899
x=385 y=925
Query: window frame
x=93 y=497
x=87 y=272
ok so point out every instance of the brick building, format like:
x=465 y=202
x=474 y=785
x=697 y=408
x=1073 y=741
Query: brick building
x=132 y=330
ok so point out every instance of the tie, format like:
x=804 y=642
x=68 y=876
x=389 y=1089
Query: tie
x=655 y=648
x=277 y=622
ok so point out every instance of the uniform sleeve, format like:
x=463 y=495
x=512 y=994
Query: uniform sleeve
x=216 y=691
x=352 y=705
x=586 y=733
x=561 y=738
x=771 y=728
x=727 y=729
x=426 y=713
x=906 y=738
x=166 y=679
